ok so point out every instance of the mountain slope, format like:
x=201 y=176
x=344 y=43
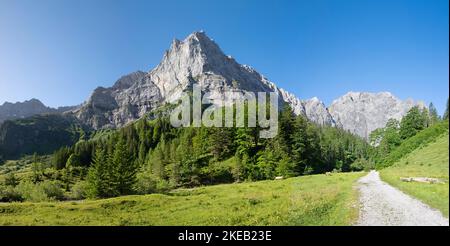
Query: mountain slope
x=41 y=134
x=429 y=161
x=18 y=110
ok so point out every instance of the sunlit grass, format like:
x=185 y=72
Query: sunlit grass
x=308 y=200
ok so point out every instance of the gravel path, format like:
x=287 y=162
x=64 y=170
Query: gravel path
x=384 y=205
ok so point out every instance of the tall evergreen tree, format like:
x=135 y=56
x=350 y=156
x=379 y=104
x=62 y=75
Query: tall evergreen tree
x=125 y=168
x=433 y=115
x=100 y=176
x=299 y=147
x=445 y=116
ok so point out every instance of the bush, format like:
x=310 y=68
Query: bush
x=147 y=183
x=79 y=190
x=52 y=189
x=9 y=194
x=11 y=180
x=30 y=192
x=41 y=192
x=361 y=164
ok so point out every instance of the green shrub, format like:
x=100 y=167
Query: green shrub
x=9 y=194
x=52 y=189
x=41 y=192
x=361 y=164
x=79 y=190
x=147 y=183
x=11 y=180
x=31 y=192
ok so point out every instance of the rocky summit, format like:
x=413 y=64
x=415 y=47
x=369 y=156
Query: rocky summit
x=198 y=59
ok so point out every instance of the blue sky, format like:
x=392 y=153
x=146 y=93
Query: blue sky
x=59 y=51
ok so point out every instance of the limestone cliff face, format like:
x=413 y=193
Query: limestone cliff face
x=363 y=112
x=119 y=104
x=198 y=59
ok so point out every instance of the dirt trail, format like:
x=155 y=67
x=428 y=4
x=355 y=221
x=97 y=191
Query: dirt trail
x=384 y=205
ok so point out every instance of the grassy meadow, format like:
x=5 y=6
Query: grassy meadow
x=307 y=200
x=430 y=161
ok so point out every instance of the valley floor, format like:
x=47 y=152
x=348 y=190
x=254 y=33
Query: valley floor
x=308 y=200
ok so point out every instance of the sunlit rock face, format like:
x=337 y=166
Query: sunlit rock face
x=363 y=112
x=199 y=60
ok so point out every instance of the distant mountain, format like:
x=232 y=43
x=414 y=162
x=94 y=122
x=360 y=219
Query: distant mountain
x=19 y=110
x=198 y=59
x=363 y=112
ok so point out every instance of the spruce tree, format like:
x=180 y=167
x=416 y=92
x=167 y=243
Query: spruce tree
x=433 y=115
x=99 y=176
x=299 y=141
x=125 y=168
x=445 y=116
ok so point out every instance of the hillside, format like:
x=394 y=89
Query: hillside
x=308 y=200
x=428 y=160
x=422 y=138
x=41 y=134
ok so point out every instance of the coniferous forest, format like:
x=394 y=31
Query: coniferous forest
x=151 y=156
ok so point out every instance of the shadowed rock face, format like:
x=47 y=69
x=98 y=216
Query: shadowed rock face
x=198 y=59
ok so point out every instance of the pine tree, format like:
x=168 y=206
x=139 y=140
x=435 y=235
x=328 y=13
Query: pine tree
x=433 y=115
x=125 y=168
x=286 y=128
x=299 y=140
x=100 y=176
x=445 y=116
x=426 y=118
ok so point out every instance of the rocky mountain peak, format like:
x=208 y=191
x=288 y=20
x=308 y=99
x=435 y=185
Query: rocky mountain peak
x=198 y=59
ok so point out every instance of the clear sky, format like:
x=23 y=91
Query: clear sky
x=59 y=51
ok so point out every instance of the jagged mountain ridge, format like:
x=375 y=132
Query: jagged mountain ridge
x=198 y=59
x=20 y=110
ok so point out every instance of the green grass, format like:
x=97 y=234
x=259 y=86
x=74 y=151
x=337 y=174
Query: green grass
x=426 y=161
x=307 y=200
